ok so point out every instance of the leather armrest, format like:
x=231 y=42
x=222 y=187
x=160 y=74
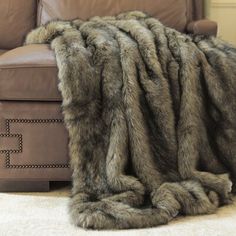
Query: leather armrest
x=205 y=27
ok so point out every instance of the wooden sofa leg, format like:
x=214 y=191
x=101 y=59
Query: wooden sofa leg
x=24 y=186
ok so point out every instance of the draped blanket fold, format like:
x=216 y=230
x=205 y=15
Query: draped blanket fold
x=151 y=115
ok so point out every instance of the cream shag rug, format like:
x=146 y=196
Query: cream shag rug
x=39 y=214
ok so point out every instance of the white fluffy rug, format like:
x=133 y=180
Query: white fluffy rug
x=45 y=214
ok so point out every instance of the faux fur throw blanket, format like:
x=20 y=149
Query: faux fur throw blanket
x=151 y=115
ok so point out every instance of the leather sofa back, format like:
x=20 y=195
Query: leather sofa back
x=17 y=18
x=173 y=13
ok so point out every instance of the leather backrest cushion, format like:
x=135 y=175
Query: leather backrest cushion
x=173 y=13
x=17 y=18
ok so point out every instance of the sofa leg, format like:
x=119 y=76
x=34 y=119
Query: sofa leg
x=24 y=186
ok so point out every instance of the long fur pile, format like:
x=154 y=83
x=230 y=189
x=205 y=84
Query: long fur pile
x=151 y=115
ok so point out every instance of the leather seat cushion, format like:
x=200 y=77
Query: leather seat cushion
x=17 y=18
x=29 y=73
x=173 y=13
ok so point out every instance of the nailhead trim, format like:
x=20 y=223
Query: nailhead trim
x=19 y=136
x=20 y=149
x=36 y=166
x=7 y=160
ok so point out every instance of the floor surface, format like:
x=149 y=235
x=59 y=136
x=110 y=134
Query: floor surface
x=45 y=214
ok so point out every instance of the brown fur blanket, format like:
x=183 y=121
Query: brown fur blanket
x=151 y=115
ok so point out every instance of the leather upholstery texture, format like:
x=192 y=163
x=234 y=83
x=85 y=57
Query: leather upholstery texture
x=33 y=141
x=173 y=13
x=17 y=18
x=29 y=73
x=205 y=27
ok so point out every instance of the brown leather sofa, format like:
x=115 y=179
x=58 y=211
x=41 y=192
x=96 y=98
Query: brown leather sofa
x=33 y=140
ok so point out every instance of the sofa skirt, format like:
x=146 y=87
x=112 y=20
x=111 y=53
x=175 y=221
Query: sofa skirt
x=33 y=142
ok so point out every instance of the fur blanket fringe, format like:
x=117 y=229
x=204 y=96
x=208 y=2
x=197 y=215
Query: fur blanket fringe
x=151 y=115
